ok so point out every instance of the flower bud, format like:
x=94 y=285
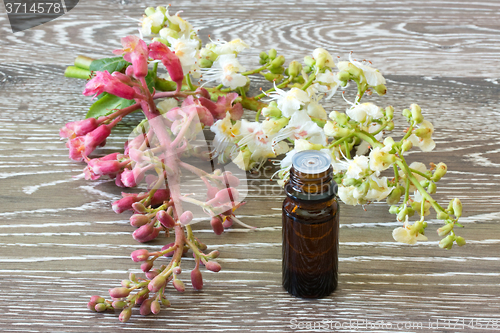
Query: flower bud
x=205 y=63
x=139 y=300
x=423 y=133
x=196 y=279
x=445 y=230
x=263 y=55
x=407 y=144
x=403 y=213
x=125 y=315
x=440 y=171
x=227 y=195
x=168 y=254
x=165 y=219
x=100 y=307
x=389 y=112
x=216 y=224
x=186 y=217
x=91 y=306
x=460 y=241
x=442 y=216
x=157 y=283
x=152 y=273
x=343 y=76
x=119 y=292
x=140 y=255
x=272 y=53
x=119 y=305
x=179 y=285
x=394 y=209
x=407 y=114
x=160 y=196
x=165 y=302
x=138 y=207
x=333 y=130
x=395 y=196
x=145 y=267
x=294 y=68
x=125 y=203
x=380 y=89
x=155 y=307
x=447 y=242
x=214 y=254
x=138 y=220
x=146 y=307
x=97 y=299
x=146 y=233
x=432 y=188
x=271 y=111
x=416 y=113
x=213 y=266
x=457 y=207
x=177 y=270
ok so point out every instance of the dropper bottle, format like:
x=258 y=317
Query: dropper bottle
x=310 y=227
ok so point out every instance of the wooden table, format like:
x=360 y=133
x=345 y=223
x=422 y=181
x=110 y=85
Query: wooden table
x=60 y=242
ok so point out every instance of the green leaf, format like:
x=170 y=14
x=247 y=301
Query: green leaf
x=150 y=80
x=107 y=104
x=111 y=65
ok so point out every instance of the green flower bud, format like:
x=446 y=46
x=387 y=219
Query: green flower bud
x=390 y=125
x=439 y=172
x=165 y=302
x=407 y=114
x=167 y=32
x=150 y=11
x=424 y=183
x=309 y=61
x=447 y=242
x=363 y=188
x=395 y=196
x=449 y=210
x=460 y=241
x=208 y=54
x=445 y=230
x=272 y=53
x=161 y=40
x=307 y=69
x=344 y=76
x=294 y=68
x=299 y=79
x=351 y=182
x=277 y=70
x=271 y=111
x=273 y=77
x=389 y=112
x=457 y=207
x=424 y=133
x=380 y=89
x=263 y=55
x=205 y=63
x=416 y=113
x=432 y=188
x=332 y=129
x=442 y=216
x=278 y=62
x=406 y=145
x=340 y=118
x=161 y=9
x=156 y=29
x=402 y=214
x=394 y=210
x=262 y=61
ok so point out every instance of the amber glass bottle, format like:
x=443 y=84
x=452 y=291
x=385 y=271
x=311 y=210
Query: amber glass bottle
x=310 y=227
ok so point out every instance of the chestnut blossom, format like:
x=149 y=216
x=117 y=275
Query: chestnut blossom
x=226 y=135
x=360 y=112
x=105 y=82
x=301 y=127
x=407 y=234
x=222 y=47
x=327 y=83
x=379 y=189
x=289 y=101
x=381 y=159
x=160 y=51
x=185 y=49
x=358 y=167
x=323 y=58
x=422 y=137
x=135 y=51
x=152 y=23
x=226 y=70
x=372 y=75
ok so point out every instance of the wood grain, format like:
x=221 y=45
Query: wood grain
x=60 y=242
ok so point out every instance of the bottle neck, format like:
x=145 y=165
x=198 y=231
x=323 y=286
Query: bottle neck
x=311 y=186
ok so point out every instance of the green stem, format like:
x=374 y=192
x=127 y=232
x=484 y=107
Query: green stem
x=339 y=141
x=281 y=85
x=242 y=92
x=407 y=191
x=396 y=174
x=155 y=69
x=309 y=81
x=255 y=71
x=420 y=173
x=408 y=133
x=188 y=81
x=347 y=150
x=368 y=138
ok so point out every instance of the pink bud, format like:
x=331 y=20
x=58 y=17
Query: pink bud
x=122 y=77
x=139 y=208
x=138 y=220
x=196 y=279
x=119 y=206
x=179 y=285
x=119 y=292
x=217 y=226
x=100 y=307
x=97 y=299
x=165 y=219
x=168 y=254
x=229 y=179
x=157 y=283
x=119 y=305
x=211 y=192
x=104 y=167
x=147 y=266
x=160 y=51
x=141 y=299
x=160 y=196
x=146 y=233
x=213 y=266
x=152 y=273
x=125 y=315
x=118 y=181
x=213 y=254
x=105 y=82
x=146 y=307
x=155 y=307
x=78 y=128
x=91 y=306
x=177 y=270
x=227 y=195
x=186 y=217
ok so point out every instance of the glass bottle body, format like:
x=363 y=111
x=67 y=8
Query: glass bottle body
x=310 y=235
